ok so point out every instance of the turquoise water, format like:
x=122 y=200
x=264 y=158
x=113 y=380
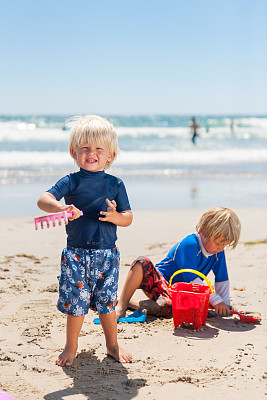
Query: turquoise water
x=160 y=165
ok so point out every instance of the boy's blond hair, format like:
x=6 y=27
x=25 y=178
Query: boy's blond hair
x=220 y=222
x=96 y=130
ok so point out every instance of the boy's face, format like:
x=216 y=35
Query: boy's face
x=92 y=157
x=213 y=245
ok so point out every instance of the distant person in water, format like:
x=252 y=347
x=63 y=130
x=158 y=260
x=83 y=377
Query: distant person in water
x=194 y=129
x=232 y=126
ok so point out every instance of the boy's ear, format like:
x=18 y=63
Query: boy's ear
x=111 y=157
x=73 y=154
x=201 y=233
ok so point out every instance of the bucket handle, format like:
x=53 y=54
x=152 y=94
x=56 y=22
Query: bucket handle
x=194 y=272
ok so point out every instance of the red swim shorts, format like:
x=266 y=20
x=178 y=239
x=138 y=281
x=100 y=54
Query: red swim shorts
x=154 y=284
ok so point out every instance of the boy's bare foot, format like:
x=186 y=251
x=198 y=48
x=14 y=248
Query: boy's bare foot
x=65 y=359
x=120 y=312
x=119 y=354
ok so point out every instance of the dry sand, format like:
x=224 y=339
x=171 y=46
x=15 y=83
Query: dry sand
x=225 y=360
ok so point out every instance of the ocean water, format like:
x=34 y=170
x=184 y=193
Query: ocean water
x=158 y=162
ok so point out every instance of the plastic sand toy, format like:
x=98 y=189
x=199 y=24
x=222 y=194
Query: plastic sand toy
x=190 y=301
x=5 y=396
x=63 y=215
x=136 y=316
x=247 y=316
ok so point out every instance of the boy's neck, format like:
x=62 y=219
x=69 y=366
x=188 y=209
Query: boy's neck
x=204 y=251
x=92 y=172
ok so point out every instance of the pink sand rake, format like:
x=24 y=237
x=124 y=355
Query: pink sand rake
x=53 y=218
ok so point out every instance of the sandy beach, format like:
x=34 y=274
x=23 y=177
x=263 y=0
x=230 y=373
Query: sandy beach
x=226 y=359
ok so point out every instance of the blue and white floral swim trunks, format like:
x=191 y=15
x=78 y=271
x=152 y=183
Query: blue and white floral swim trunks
x=89 y=279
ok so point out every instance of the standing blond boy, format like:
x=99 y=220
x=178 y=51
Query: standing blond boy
x=90 y=262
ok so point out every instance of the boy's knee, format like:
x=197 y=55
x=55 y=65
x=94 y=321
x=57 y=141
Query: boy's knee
x=137 y=266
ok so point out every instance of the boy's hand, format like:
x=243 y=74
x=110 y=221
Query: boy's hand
x=76 y=213
x=222 y=309
x=123 y=218
x=110 y=214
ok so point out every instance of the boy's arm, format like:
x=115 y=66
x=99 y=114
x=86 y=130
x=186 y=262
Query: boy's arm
x=223 y=290
x=123 y=218
x=222 y=302
x=48 y=203
x=220 y=299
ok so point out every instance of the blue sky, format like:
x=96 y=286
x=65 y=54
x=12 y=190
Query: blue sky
x=133 y=57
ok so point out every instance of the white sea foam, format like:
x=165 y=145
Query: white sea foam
x=9 y=132
x=253 y=121
x=152 y=131
x=193 y=157
x=29 y=132
x=33 y=147
x=16 y=159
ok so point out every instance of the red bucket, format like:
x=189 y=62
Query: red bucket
x=190 y=301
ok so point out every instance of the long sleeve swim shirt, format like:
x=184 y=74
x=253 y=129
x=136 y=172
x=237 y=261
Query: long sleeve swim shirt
x=189 y=254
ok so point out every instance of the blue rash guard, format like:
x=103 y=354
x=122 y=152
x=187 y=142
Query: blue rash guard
x=188 y=254
x=88 y=192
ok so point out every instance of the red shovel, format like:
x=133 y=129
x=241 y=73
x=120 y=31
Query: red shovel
x=247 y=316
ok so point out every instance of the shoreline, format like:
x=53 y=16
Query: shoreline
x=150 y=194
x=226 y=355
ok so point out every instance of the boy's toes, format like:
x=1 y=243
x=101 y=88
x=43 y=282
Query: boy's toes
x=65 y=359
x=126 y=358
x=64 y=362
x=120 y=355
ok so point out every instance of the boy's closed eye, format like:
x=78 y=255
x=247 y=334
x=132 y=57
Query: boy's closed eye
x=86 y=148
